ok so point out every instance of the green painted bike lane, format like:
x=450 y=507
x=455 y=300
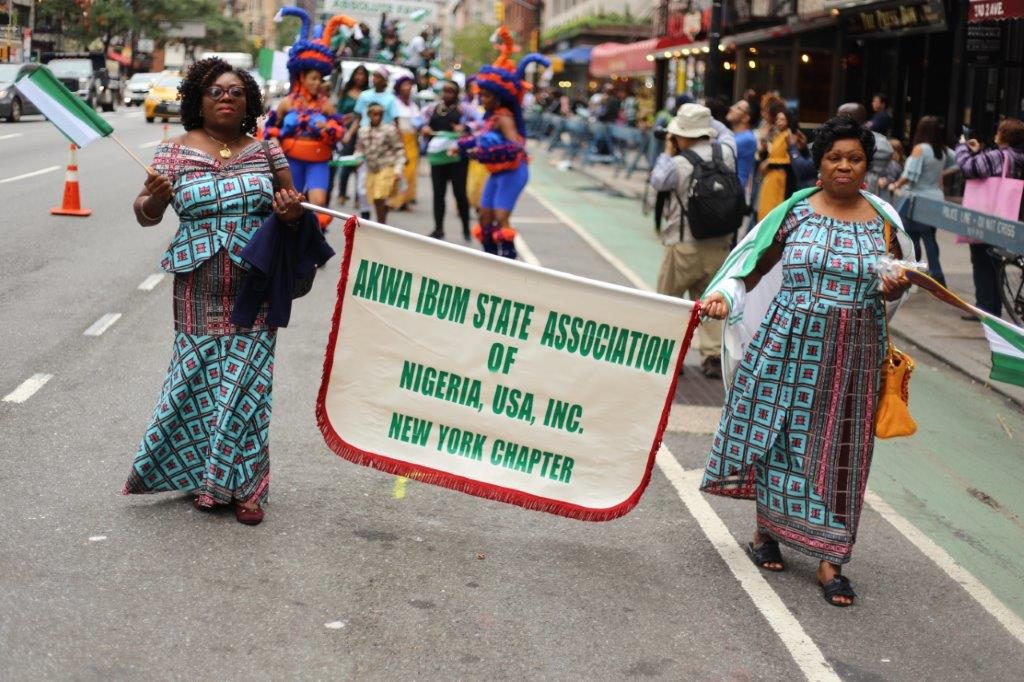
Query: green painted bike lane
x=959 y=479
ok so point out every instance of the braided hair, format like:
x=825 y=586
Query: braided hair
x=200 y=76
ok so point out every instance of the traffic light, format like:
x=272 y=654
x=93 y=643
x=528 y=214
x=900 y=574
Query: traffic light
x=499 y=11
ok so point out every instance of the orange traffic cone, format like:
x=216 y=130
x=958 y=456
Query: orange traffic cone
x=166 y=135
x=72 y=204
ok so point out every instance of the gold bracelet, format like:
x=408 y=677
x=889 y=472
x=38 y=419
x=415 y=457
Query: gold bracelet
x=142 y=210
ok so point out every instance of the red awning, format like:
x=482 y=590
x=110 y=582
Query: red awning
x=677 y=46
x=608 y=59
x=994 y=10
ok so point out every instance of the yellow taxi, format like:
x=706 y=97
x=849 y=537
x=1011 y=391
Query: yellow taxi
x=162 y=100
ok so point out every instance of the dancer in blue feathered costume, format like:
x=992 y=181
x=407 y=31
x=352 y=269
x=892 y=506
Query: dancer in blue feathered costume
x=501 y=146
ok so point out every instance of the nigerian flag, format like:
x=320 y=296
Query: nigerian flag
x=1006 y=341
x=73 y=117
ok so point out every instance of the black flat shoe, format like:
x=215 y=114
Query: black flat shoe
x=839 y=586
x=766 y=553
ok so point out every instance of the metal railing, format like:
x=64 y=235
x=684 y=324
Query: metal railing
x=630 y=149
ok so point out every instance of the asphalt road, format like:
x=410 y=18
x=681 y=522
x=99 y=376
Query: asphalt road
x=357 y=575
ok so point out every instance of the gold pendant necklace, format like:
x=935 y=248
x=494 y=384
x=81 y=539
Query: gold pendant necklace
x=225 y=151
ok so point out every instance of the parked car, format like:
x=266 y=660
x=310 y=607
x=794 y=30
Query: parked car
x=12 y=104
x=162 y=100
x=88 y=74
x=137 y=88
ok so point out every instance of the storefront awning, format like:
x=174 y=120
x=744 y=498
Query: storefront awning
x=577 y=55
x=678 y=47
x=994 y=10
x=618 y=59
x=780 y=31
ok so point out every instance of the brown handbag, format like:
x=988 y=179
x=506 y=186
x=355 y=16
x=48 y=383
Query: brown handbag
x=892 y=413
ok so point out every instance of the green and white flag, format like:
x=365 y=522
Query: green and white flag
x=1006 y=341
x=73 y=117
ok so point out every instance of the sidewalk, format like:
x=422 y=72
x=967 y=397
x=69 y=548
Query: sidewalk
x=924 y=322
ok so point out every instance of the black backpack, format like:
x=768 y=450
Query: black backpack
x=715 y=205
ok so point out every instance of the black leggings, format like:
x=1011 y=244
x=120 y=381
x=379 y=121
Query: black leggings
x=456 y=174
x=346 y=171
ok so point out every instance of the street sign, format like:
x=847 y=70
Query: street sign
x=1006 y=234
x=412 y=14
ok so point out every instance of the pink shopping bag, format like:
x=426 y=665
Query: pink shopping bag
x=997 y=195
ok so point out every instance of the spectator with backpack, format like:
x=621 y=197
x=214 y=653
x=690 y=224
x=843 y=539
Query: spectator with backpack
x=705 y=209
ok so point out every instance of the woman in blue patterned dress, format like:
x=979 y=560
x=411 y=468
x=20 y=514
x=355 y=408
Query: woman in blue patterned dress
x=209 y=429
x=797 y=433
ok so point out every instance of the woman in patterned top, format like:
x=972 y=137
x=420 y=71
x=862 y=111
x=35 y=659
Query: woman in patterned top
x=797 y=433
x=208 y=433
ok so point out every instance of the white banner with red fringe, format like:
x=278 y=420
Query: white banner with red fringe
x=497 y=378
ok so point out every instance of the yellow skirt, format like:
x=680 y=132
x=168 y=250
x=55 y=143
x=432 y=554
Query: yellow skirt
x=412 y=164
x=772 y=192
x=475 y=180
x=380 y=184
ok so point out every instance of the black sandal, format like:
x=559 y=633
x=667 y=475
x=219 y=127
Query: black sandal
x=839 y=586
x=766 y=553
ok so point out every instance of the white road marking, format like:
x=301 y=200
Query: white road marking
x=30 y=175
x=334 y=625
x=525 y=252
x=28 y=388
x=526 y=220
x=150 y=282
x=1007 y=618
x=101 y=325
x=694 y=419
x=97 y=538
x=597 y=246
x=981 y=594
x=9 y=136
x=133 y=114
x=801 y=647
x=149 y=145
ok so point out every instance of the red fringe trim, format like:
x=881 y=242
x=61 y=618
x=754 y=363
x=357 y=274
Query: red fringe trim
x=444 y=479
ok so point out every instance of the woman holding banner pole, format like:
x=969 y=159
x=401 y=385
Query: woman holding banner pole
x=209 y=430
x=802 y=352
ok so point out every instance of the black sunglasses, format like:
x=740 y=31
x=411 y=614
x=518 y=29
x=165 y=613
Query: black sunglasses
x=216 y=92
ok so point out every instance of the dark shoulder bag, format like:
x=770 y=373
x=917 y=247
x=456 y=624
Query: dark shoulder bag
x=303 y=284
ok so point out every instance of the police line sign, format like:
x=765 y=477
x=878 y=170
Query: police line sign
x=497 y=378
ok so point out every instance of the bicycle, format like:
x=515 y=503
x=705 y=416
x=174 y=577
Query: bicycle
x=1010 y=271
